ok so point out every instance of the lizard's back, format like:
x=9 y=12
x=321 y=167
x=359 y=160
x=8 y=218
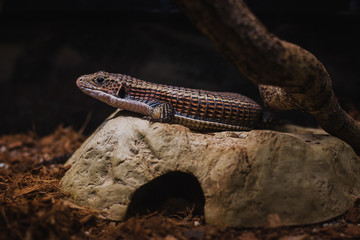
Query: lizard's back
x=201 y=109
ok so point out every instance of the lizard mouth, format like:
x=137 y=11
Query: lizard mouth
x=102 y=96
x=82 y=83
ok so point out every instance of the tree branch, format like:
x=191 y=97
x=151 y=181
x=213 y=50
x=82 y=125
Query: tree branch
x=288 y=76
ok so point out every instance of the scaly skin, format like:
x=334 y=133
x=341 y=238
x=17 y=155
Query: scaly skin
x=197 y=109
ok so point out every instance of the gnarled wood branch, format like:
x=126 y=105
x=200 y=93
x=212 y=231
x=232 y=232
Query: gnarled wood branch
x=288 y=76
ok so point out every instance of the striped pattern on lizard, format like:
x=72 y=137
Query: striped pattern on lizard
x=194 y=108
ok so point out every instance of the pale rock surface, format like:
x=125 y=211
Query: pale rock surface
x=300 y=175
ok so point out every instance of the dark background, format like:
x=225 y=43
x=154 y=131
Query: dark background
x=46 y=45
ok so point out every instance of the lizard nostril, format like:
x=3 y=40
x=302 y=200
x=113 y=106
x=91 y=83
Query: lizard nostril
x=79 y=81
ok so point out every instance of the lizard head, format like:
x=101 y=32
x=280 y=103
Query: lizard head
x=99 y=81
x=104 y=86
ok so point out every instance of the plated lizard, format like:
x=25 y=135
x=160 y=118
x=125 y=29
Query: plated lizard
x=194 y=108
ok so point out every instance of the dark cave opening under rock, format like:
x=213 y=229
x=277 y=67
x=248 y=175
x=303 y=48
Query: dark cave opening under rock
x=174 y=193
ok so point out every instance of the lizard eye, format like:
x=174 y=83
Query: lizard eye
x=100 y=80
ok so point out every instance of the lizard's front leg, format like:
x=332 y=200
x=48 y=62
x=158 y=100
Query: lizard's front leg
x=162 y=112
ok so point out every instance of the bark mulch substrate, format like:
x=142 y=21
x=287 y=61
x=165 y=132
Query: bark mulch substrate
x=34 y=207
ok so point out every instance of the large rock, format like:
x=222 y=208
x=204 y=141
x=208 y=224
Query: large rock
x=302 y=175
